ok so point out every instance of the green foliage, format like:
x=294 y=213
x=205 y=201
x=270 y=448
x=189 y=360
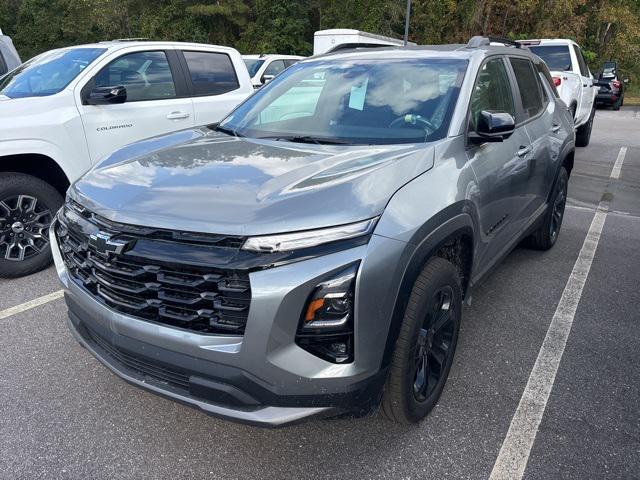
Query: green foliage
x=281 y=26
x=606 y=29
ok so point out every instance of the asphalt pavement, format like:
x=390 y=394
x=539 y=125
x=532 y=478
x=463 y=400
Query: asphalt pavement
x=64 y=416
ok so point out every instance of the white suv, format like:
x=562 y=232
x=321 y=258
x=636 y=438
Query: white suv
x=66 y=109
x=263 y=68
x=573 y=80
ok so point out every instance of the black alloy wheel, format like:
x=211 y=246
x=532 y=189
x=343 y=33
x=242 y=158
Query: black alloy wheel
x=426 y=344
x=433 y=347
x=559 y=203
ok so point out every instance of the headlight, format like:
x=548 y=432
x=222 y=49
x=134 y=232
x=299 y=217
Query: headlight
x=327 y=323
x=310 y=238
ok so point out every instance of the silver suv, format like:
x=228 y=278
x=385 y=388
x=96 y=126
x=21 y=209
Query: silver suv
x=309 y=255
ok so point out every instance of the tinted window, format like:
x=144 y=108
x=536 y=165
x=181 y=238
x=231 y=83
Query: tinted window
x=355 y=102
x=211 y=73
x=288 y=63
x=492 y=91
x=253 y=65
x=48 y=73
x=584 y=70
x=274 y=68
x=557 y=57
x=544 y=71
x=528 y=86
x=145 y=75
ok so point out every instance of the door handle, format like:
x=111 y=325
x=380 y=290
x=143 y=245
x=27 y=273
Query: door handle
x=555 y=128
x=524 y=150
x=177 y=115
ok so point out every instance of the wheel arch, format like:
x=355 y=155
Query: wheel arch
x=37 y=165
x=452 y=240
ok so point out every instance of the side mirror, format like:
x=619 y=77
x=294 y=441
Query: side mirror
x=107 y=95
x=267 y=78
x=493 y=127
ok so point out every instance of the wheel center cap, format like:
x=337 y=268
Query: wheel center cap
x=17 y=227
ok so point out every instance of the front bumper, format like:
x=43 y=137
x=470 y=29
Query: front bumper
x=263 y=377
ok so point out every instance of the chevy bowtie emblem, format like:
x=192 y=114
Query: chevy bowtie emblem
x=103 y=243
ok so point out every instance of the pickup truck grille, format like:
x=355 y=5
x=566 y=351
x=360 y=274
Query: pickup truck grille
x=192 y=297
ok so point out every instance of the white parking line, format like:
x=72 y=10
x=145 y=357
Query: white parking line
x=36 y=302
x=514 y=454
x=516 y=447
x=615 y=173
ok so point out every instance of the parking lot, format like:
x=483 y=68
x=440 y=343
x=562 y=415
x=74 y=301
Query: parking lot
x=63 y=415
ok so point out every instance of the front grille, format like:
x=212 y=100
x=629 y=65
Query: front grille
x=198 y=298
x=141 y=366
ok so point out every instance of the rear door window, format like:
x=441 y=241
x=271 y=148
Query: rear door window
x=275 y=67
x=211 y=73
x=145 y=75
x=529 y=87
x=584 y=70
x=557 y=57
x=492 y=91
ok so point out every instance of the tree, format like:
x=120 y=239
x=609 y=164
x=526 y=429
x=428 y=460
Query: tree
x=278 y=26
x=224 y=19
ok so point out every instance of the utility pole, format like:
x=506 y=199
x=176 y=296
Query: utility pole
x=406 y=23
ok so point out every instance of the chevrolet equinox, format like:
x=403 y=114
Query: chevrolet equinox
x=309 y=255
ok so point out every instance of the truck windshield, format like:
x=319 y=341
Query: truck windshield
x=557 y=57
x=48 y=73
x=354 y=102
x=253 y=65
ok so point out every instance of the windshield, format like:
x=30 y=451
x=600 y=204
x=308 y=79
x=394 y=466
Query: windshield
x=354 y=102
x=48 y=73
x=557 y=57
x=253 y=65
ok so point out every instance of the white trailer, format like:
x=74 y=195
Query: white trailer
x=328 y=40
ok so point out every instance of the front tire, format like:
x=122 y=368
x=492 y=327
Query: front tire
x=426 y=344
x=546 y=236
x=27 y=208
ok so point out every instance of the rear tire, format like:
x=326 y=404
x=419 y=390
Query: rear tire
x=583 y=133
x=545 y=237
x=27 y=207
x=426 y=344
x=618 y=103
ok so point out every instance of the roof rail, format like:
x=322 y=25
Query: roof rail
x=356 y=46
x=136 y=39
x=482 y=41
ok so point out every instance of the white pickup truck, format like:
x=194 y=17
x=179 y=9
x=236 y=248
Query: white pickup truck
x=572 y=78
x=66 y=109
x=263 y=68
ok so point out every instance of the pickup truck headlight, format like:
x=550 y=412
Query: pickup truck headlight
x=285 y=242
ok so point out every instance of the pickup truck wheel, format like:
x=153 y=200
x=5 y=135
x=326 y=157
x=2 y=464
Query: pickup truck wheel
x=426 y=344
x=27 y=207
x=617 y=104
x=545 y=237
x=583 y=133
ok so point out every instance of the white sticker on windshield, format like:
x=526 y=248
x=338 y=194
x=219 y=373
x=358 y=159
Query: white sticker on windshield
x=358 y=92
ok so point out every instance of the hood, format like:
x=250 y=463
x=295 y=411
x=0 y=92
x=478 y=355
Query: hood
x=204 y=181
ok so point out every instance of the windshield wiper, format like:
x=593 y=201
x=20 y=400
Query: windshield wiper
x=307 y=139
x=227 y=131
